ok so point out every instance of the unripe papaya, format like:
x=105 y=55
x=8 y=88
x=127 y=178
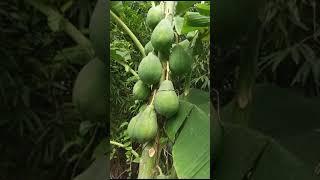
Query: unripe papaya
x=144 y=126
x=148 y=48
x=154 y=16
x=140 y=91
x=150 y=69
x=131 y=125
x=90 y=91
x=180 y=61
x=166 y=101
x=162 y=36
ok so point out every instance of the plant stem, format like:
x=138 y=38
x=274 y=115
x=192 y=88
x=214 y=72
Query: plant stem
x=126 y=66
x=129 y=32
x=147 y=162
x=67 y=27
x=167 y=70
x=123 y=146
x=153 y=95
x=187 y=84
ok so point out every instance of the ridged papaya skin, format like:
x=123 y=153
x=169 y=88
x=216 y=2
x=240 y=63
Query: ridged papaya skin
x=166 y=101
x=150 y=69
x=143 y=127
x=140 y=91
x=148 y=48
x=98 y=29
x=162 y=36
x=154 y=16
x=180 y=61
x=90 y=91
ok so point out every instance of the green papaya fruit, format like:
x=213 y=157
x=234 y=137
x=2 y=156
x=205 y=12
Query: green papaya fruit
x=180 y=61
x=131 y=125
x=98 y=29
x=154 y=16
x=90 y=91
x=144 y=126
x=148 y=48
x=150 y=69
x=141 y=91
x=143 y=107
x=162 y=36
x=166 y=101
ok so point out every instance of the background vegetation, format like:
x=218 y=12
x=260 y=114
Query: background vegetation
x=42 y=135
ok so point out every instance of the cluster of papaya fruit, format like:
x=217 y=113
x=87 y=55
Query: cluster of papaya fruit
x=162 y=57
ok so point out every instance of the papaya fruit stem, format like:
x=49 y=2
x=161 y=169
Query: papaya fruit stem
x=153 y=95
x=167 y=70
x=153 y=4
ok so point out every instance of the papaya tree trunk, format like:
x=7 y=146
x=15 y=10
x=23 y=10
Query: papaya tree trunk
x=246 y=77
x=147 y=162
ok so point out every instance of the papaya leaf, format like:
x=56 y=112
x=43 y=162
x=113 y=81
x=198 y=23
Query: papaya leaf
x=194 y=21
x=174 y=123
x=183 y=6
x=191 y=159
x=291 y=119
x=255 y=156
x=178 y=23
x=203 y=9
x=97 y=170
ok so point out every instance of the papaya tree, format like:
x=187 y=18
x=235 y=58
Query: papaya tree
x=171 y=112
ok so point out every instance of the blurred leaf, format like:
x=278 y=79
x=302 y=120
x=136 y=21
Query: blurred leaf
x=102 y=149
x=183 y=6
x=85 y=126
x=191 y=159
x=203 y=9
x=98 y=170
x=178 y=23
x=194 y=21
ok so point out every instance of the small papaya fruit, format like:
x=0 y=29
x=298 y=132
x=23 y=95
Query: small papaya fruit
x=131 y=125
x=89 y=93
x=143 y=107
x=166 y=101
x=148 y=48
x=150 y=69
x=144 y=126
x=162 y=36
x=180 y=61
x=154 y=16
x=140 y=91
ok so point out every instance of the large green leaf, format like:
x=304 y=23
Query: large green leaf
x=174 y=123
x=191 y=159
x=247 y=154
x=97 y=170
x=183 y=6
x=286 y=116
x=191 y=151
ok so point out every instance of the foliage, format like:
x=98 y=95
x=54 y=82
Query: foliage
x=38 y=68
